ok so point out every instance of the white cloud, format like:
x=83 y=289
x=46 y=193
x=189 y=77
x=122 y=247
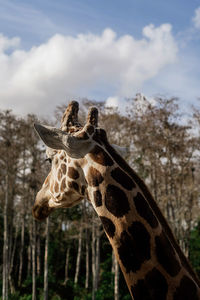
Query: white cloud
x=112 y=102
x=41 y=78
x=6 y=43
x=196 y=18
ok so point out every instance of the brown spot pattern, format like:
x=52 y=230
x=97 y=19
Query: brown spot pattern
x=59 y=174
x=56 y=187
x=63 y=185
x=100 y=136
x=73 y=185
x=101 y=157
x=96 y=138
x=123 y=179
x=63 y=167
x=144 y=210
x=83 y=190
x=97 y=198
x=109 y=226
x=94 y=177
x=166 y=255
x=116 y=201
x=135 y=247
x=90 y=129
x=187 y=290
x=153 y=287
x=123 y=164
x=73 y=173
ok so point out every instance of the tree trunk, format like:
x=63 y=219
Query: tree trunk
x=115 y=272
x=93 y=259
x=97 y=263
x=87 y=266
x=34 y=260
x=78 y=260
x=29 y=259
x=21 y=251
x=5 y=245
x=116 y=279
x=46 y=261
x=67 y=265
x=11 y=281
x=38 y=256
x=113 y=263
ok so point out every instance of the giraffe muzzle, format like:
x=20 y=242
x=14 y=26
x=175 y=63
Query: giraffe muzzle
x=40 y=213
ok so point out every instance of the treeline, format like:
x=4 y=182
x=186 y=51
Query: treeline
x=68 y=256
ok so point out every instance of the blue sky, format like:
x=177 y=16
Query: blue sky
x=105 y=50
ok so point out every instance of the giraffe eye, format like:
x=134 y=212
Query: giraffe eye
x=49 y=160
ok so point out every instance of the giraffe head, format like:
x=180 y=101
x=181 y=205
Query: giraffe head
x=66 y=185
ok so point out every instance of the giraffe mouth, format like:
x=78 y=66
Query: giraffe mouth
x=43 y=208
x=54 y=203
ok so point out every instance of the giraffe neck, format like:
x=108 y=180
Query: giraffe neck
x=153 y=265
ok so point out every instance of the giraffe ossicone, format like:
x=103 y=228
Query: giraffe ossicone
x=85 y=164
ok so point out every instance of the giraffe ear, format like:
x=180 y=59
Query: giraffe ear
x=51 y=136
x=76 y=146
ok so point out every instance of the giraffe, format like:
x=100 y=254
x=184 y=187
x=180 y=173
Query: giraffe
x=85 y=164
